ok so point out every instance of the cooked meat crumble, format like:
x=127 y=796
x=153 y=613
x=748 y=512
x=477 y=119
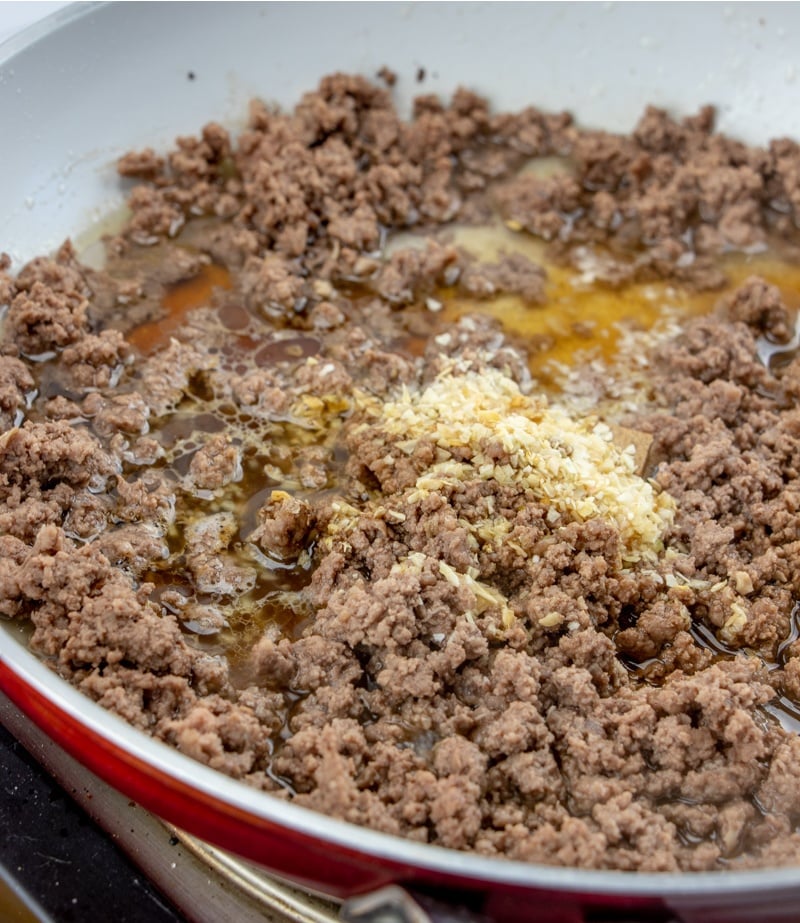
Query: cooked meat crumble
x=301 y=485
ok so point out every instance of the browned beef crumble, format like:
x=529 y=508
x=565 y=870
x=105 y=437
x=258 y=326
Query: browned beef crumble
x=169 y=509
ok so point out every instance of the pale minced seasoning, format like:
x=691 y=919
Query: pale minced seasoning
x=493 y=552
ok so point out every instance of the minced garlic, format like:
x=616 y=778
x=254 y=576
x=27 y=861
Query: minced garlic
x=734 y=624
x=572 y=465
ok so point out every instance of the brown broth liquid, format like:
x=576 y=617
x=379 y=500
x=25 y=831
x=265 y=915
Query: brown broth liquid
x=582 y=317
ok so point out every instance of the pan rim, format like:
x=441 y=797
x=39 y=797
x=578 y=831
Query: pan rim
x=227 y=793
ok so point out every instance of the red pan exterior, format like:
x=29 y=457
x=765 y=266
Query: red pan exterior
x=341 y=872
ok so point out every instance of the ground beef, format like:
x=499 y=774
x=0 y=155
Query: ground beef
x=214 y=571
x=412 y=272
x=513 y=274
x=216 y=464
x=165 y=376
x=284 y=523
x=126 y=413
x=15 y=382
x=213 y=529
x=43 y=319
x=96 y=361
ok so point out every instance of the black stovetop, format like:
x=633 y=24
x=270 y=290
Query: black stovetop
x=62 y=864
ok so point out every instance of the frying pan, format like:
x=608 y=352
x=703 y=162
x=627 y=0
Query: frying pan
x=92 y=81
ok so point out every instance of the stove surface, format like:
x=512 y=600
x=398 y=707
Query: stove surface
x=55 y=860
x=75 y=846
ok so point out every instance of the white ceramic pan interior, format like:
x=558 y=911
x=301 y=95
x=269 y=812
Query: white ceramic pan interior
x=93 y=81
